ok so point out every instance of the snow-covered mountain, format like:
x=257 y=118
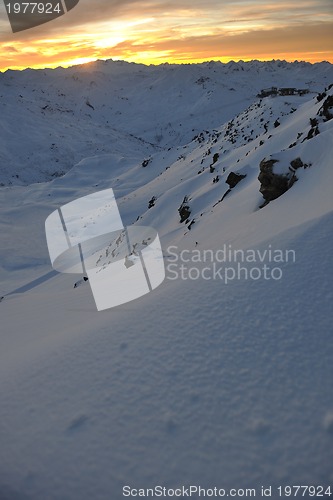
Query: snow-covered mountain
x=66 y=115
x=222 y=377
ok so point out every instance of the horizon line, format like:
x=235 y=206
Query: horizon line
x=164 y=63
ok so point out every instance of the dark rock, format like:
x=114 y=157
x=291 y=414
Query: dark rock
x=221 y=199
x=321 y=96
x=225 y=194
x=184 y=210
x=272 y=185
x=297 y=163
x=191 y=224
x=233 y=179
x=215 y=158
x=151 y=202
x=145 y=163
x=327 y=108
x=312 y=133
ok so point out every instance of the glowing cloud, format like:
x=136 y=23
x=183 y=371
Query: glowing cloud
x=154 y=31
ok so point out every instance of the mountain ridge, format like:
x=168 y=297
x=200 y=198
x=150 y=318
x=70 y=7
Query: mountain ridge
x=69 y=114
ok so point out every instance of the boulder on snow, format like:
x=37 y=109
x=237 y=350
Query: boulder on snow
x=272 y=185
x=233 y=179
x=297 y=163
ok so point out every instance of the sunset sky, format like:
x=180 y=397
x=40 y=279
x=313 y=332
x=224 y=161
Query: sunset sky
x=156 y=31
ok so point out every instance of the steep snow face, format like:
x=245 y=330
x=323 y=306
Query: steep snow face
x=69 y=114
x=220 y=377
x=202 y=167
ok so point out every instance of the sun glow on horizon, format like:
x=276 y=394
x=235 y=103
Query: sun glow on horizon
x=185 y=33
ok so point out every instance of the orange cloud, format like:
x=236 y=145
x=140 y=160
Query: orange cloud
x=174 y=31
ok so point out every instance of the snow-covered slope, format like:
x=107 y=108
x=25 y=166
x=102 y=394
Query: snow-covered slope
x=220 y=377
x=66 y=115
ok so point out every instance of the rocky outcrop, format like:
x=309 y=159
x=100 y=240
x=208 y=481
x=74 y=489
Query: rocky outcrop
x=233 y=179
x=326 y=111
x=272 y=184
